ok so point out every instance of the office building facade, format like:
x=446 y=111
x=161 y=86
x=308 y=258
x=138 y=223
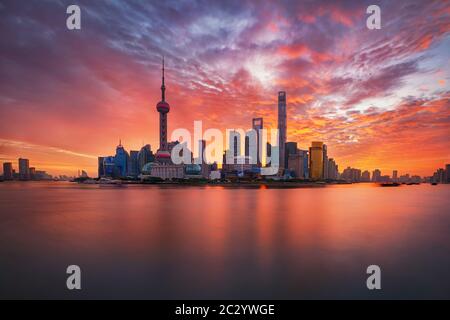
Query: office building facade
x=316 y=160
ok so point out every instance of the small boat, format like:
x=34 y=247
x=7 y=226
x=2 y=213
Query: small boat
x=390 y=184
x=434 y=183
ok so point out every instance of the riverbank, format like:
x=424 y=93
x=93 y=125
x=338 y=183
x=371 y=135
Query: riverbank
x=260 y=184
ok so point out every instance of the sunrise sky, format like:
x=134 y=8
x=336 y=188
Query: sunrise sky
x=377 y=98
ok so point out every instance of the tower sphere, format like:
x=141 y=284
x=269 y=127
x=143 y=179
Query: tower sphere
x=163 y=107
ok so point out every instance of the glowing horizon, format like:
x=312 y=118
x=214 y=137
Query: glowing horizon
x=377 y=98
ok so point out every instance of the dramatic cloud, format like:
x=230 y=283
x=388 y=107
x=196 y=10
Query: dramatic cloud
x=378 y=98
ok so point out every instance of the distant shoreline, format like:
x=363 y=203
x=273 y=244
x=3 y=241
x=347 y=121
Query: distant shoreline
x=264 y=184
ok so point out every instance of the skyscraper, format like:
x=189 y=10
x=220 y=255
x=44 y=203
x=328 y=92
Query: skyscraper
x=316 y=160
x=108 y=166
x=332 y=169
x=325 y=162
x=282 y=127
x=24 y=169
x=201 y=151
x=290 y=149
x=257 y=124
x=101 y=167
x=7 y=171
x=133 y=165
x=121 y=160
x=305 y=163
x=376 y=175
x=203 y=159
x=296 y=163
x=163 y=154
x=365 y=176
x=235 y=144
x=145 y=156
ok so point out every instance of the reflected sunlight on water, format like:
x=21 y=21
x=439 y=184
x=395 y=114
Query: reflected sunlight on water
x=214 y=242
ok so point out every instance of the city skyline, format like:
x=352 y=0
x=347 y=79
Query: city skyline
x=373 y=107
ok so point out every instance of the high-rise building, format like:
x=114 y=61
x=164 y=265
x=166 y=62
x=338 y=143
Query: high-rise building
x=200 y=157
x=347 y=174
x=305 y=157
x=24 y=169
x=145 y=156
x=447 y=173
x=234 y=160
x=101 y=167
x=205 y=167
x=108 y=166
x=32 y=173
x=439 y=176
x=282 y=127
x=163 y=154
x=201 y=151
x=351 y=175
x=290 y=149
x=7 y=171
x=247 y=149
x=121 y=160
x=395 y=176
x=332 y=170
x=365 y=176
x=316 y=160
x=296 y=163
x=376 y=175
x=257 y=124
x=356 y=175
x=325 y=162
x=133 y=165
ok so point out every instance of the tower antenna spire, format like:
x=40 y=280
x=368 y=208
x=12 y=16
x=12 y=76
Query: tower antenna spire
x=163 y=86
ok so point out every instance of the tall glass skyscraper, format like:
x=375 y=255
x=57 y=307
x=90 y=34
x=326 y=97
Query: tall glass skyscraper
x=282 y=127
x=7 y=171
x=121 y=160
x=133 y=166
x=24 y=169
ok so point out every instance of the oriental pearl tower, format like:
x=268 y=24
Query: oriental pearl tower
x=163 y=154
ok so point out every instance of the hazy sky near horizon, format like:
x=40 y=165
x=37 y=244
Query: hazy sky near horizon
x=377 y=98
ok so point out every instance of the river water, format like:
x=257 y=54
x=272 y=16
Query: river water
x=153 y=242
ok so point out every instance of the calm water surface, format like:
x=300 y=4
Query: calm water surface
x=190 y=242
